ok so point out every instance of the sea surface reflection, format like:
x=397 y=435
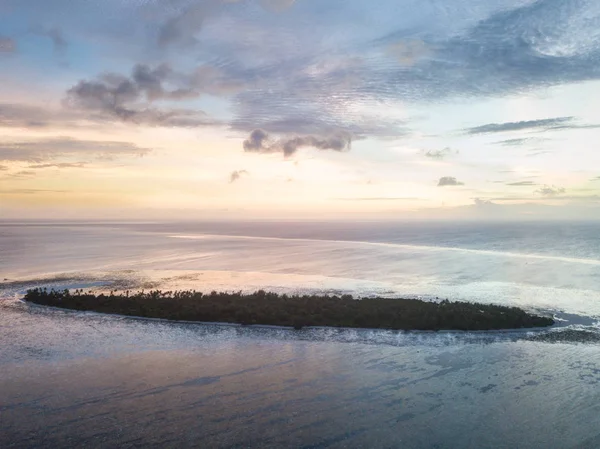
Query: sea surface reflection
x=74 y=379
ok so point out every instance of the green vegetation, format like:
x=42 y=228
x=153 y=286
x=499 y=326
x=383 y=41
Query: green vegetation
x=297 y=311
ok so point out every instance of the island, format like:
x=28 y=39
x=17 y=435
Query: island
x=295 y=311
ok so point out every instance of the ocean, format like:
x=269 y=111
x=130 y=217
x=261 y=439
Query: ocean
x=70 y=378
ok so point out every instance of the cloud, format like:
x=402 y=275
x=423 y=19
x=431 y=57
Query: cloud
x=3 y=167
x=59 y=42
x=538 y=153
x=312 y=94
x=7 y=45
x=277 y=5
x=440 y=154
x=518 y=47
x=236 y=174
x=562 y=198
x=259 y=141
x=521 y=183
x=313 y=81
x=182 y=28
x=302 y=78
x=381 y=198
x=23 y=174
x=483 y=203
x=43 y=150
x=514 y=142
x=59 y=165
x=448 y=181
x=518 y=126
x=30 y=191
x=26 y=116
x=550 y=191
x=130 y=99
x=409 y=51
x=188 y=22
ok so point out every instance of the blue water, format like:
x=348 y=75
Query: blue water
x=71 y=379
x=540 y=266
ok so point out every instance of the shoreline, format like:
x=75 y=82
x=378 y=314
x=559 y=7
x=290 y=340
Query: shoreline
x=296 y=312
x=290 y=328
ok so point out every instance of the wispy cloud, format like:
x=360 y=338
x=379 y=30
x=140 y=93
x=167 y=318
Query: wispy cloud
x=23 y=174
x=27 y=116
x=41 y=150
x=59 y=165
x=380 y=198
x=409 y=51
x=521 y=183
x=515 y=142
x=518 y=126
x=30 y=191
x=56 y=36
x=7 y=45
x=563 y=198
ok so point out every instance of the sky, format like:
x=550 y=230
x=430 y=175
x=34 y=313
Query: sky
x=300 y=109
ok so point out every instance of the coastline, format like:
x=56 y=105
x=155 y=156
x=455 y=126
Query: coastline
x=270 y=310
x=523 y=330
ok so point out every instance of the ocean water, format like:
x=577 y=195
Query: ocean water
x=69 y=379
x=545 y=266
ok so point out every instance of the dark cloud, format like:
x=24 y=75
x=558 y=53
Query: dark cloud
x=448 y=181
x=551 y=191
x=259 y=141
x=521 y=183
x=45 y=150
x=236 y=174
x=518 y=126
x=7 y=45
x=440 y=154
x=130 y=99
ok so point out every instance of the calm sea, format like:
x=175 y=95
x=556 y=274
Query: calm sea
x=552 y=266
x=71 y=379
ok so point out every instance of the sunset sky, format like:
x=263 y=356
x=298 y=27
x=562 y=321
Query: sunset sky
x=305 y=108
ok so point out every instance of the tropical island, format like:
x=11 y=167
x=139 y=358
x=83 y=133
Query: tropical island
x=297 y=311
